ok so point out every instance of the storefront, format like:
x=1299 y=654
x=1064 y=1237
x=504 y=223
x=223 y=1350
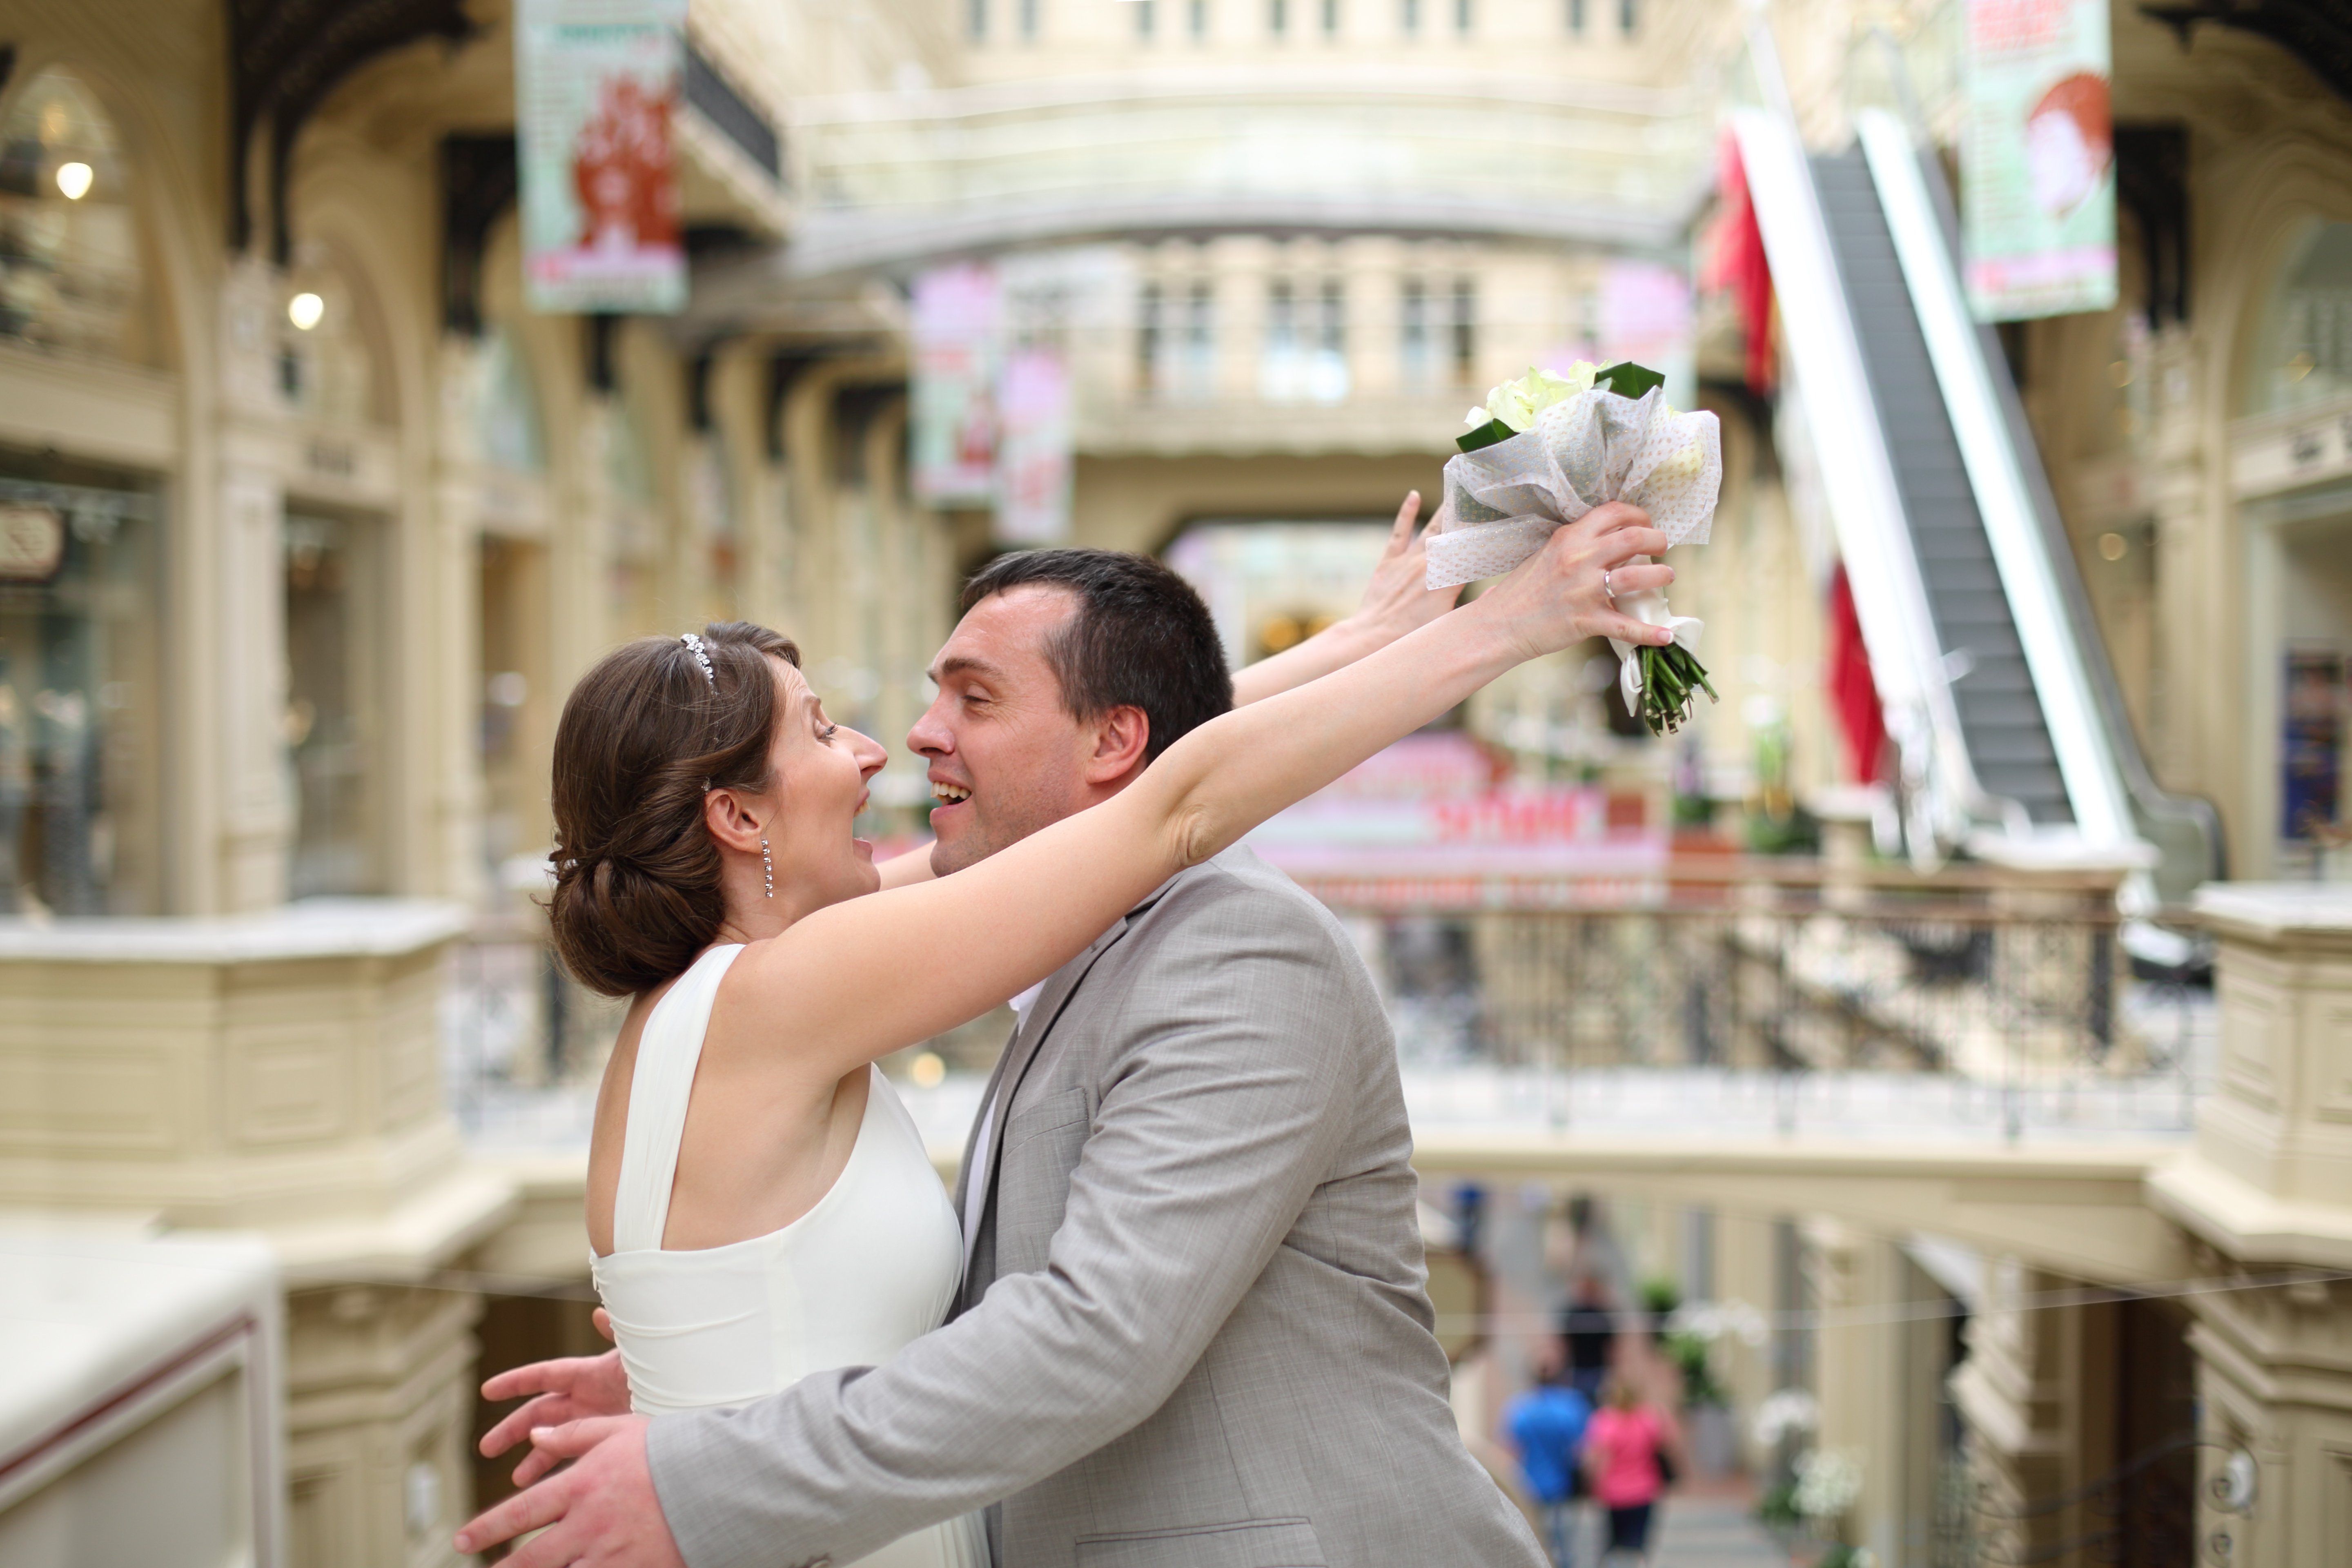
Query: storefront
x=80 y=818
x=2291 y=468
x=82 y=542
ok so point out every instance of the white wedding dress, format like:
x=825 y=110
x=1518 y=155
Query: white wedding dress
x=849 y=1283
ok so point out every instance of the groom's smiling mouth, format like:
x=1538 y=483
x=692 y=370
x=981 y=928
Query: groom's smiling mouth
x=946 y=793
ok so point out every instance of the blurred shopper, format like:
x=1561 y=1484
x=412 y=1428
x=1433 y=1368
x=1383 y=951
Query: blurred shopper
x=1624 y=1446
x=1547 y=1425
x=1589 y=1329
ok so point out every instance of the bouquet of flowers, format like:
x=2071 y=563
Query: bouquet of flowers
x=1545 y=450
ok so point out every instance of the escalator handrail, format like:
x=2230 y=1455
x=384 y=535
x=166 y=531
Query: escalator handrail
x=1865 y=505
x=1898 y=150
x=2071 y=714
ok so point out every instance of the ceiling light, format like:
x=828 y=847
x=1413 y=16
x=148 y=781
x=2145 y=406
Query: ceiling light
x=74 y=180
x=304 y=311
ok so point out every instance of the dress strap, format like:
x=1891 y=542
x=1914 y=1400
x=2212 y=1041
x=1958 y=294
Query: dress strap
x=667 y=1053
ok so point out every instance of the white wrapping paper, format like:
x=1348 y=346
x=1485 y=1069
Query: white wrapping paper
x=1505 y=500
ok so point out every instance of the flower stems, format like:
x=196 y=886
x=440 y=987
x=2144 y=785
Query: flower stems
x=1672 y=677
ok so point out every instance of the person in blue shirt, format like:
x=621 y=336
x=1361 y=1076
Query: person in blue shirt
x=1547 y=1425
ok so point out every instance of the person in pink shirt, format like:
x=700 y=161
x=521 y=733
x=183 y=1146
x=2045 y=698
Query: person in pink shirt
x=1621 y=1452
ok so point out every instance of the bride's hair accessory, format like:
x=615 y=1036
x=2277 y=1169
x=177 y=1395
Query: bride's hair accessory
x=767 y=869
x=694 y=645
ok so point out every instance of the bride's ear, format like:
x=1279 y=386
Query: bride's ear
x=735 y=821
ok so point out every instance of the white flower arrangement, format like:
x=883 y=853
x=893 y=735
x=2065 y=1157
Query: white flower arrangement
x=1709 y=1321
x=1790 y=1410
x=1829 y=1482
x=1546 y=449
x=1516 y=403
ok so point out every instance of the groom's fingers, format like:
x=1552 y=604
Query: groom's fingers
x=538 y=1377
x=536 y=1462
x=527 y=1511
x=557 y=1548
x=551 y=1445
x=574 y=1439
x=547 y=1410
x=603 y=1321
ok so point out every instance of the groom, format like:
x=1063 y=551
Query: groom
x=1193 y=1329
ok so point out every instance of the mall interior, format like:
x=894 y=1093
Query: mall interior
x=1938 y=1054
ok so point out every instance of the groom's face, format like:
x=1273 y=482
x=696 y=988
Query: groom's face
x=1006 y=756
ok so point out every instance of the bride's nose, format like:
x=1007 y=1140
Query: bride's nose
x=870 y=753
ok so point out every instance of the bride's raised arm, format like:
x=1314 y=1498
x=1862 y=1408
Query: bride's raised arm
x=867 y=977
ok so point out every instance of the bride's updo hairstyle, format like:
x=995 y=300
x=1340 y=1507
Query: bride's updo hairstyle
x=645 y=735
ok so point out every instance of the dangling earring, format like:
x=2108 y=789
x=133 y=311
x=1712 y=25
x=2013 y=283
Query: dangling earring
x=767 y=869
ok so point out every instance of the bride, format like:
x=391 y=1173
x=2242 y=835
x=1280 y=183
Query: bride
x=760 y=1205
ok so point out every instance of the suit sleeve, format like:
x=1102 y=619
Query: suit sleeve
x=1218 y=1114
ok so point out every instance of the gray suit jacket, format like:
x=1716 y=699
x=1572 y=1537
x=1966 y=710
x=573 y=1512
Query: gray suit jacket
x=1193 y=1333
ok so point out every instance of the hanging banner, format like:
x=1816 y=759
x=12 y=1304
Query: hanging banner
x=596 y=83
x=1033 y=457
x=951 y=429
x=2037 y=159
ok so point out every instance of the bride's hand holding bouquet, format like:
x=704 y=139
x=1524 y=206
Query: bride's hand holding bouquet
x=1544 y=451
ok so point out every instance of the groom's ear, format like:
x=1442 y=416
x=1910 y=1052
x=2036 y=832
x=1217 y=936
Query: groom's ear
x=1121 y=735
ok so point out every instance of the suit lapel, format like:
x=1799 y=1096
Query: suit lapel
x=1023 y=1050
x=1013 y=1064
x=1005 y=1082
x=987 y=1099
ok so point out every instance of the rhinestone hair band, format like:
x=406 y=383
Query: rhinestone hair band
x=701 y=657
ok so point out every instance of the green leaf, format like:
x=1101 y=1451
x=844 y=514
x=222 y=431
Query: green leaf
x=1627 y=379
x=1486 y=434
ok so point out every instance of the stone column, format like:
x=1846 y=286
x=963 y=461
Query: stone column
x=1374 y=264
x=2020 y=1396
x=2267 y=1188
x=256 y=831
x=1875 y=1377
x=248 y=574
x=379 y=1411
x=2184 y=749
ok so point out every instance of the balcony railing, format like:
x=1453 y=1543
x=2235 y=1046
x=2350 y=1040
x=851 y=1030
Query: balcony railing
x=1761 y=1000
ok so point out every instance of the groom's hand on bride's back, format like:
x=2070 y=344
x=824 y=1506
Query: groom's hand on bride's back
x=572 y=1389
x=600 y=1511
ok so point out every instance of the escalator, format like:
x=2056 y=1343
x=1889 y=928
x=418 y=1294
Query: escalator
x=2010 y=725
x=2007 y=736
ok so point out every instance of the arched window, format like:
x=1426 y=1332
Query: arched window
x=509 y=406
x=71 y=277
x=2302 y=347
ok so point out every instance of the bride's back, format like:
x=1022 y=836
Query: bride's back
x=756 y=1151
x=872 y=1263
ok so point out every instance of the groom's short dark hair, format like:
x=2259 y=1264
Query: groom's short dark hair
x=1139 y=638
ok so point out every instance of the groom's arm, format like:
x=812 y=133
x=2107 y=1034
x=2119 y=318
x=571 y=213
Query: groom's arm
x=1207 y=1144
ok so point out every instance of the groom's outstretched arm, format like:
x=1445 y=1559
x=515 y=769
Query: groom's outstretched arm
x=1242 y=1035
